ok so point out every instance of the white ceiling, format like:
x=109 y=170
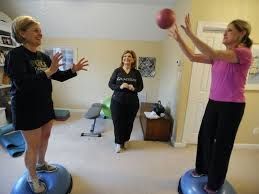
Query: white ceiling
x=98 y=19
x=154 y=2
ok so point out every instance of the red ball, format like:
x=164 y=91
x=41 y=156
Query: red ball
x=165 y=18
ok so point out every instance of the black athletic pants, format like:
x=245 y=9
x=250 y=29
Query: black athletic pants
x=123 y=116
x=216 y=139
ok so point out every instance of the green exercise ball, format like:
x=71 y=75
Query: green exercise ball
x=106 y=107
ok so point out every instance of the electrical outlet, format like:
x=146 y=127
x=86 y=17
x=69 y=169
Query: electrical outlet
x=256 y=131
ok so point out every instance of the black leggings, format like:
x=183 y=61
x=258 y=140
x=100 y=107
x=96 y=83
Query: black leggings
x=123 y=116
x=216 y=139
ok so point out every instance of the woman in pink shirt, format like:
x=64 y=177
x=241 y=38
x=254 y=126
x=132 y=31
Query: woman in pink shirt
x=226 y=103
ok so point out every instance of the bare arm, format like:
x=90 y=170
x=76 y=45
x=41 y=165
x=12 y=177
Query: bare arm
x=200 y=58
x=227 y=55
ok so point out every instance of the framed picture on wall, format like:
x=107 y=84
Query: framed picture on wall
x=69 y=56
x=6 y=40
x=147 y=66
x=253 y=73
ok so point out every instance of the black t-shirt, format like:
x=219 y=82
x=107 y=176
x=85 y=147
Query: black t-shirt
x=124 y=95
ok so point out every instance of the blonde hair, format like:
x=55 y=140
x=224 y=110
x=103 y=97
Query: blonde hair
x=21 y=24
x=133 y=54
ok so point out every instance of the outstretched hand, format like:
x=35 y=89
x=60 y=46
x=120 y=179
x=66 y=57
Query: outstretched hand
x=82 y=63
x=54 y=64
x=187 y=28
x=174 y=33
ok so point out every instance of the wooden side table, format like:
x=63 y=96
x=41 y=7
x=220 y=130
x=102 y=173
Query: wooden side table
x=155 y=129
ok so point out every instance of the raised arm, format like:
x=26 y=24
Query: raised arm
x=200 y=58
x=227 y=55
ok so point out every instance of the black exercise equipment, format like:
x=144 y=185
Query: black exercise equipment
x=93 y=113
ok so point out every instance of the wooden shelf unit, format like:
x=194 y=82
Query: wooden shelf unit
x=155 y=129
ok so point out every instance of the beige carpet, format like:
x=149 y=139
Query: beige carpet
x=145 y=168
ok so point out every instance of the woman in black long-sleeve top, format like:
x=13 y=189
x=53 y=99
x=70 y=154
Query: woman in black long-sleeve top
x=126 y=81
x=31 y=72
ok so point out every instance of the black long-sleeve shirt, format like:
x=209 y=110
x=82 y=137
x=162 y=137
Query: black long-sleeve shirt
x=31 y=89
x=124 y=95
x=26 y=70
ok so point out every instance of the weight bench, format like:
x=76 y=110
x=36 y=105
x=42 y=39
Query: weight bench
x=93 y=113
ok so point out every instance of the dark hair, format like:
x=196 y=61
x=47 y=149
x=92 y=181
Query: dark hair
x=133 y=54
x=21 y=24
x=242 y=25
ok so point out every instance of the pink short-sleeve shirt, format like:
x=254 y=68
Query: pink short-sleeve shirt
x=228 y=79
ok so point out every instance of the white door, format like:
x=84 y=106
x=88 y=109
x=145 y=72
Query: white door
x=212 y=34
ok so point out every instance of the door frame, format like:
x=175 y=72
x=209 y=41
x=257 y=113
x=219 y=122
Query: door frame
x=201 y=28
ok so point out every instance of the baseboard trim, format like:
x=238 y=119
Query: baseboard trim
x=246 y=146
x=179 y=144
x=236 y=146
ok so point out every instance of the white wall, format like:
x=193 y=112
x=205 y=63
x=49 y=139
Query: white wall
x=104 y=21
x=92 y=19
x=104 y=56
x=170 y=73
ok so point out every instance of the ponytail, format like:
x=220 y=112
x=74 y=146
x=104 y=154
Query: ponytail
x=247 y=41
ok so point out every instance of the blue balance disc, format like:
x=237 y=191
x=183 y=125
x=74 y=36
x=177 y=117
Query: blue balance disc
x=191 y=185
x=58 y=182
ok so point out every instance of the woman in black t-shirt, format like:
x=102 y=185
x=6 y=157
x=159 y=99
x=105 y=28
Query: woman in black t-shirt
x=126 y=81
x=31 y=72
